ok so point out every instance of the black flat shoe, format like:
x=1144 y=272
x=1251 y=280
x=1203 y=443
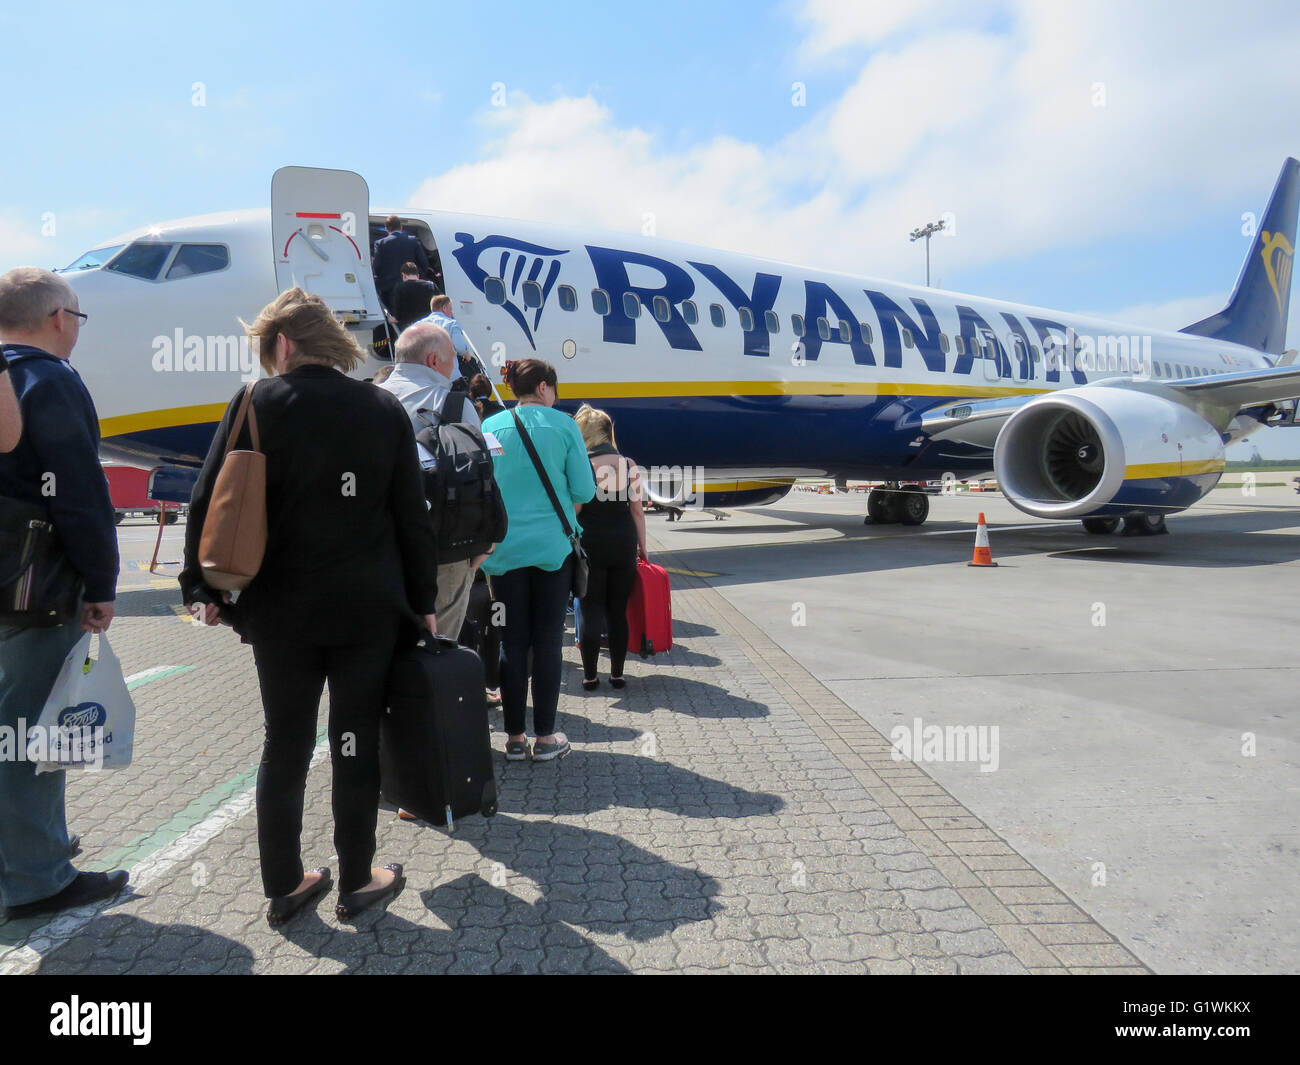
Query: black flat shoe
x=84 y=889
x=617 y=682
x=283 y=907
x=354 y=902
x=590 y=685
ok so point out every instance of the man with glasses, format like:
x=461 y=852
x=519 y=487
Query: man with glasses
x=55 y=466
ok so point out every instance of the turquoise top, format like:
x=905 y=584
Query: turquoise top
x=535 y=536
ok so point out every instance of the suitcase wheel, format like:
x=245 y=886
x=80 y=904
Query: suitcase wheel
x=489 y=804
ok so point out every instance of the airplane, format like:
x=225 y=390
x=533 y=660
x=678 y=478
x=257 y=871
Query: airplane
x=729 y=376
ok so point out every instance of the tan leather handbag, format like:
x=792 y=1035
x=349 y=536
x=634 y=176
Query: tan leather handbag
x=234 y=530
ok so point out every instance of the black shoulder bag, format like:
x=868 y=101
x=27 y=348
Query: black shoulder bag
x=580 y=565
x=38 y=586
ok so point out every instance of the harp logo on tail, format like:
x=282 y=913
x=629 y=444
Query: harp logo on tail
x=510 y=263
x=1277 y=253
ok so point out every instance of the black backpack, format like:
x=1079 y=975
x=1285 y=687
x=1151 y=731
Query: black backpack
x=468 y=513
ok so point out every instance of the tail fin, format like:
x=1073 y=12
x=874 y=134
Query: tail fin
x=1256 y=315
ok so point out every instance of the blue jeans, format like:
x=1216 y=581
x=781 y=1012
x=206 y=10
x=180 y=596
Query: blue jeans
x=33 y=830
x=535 y=602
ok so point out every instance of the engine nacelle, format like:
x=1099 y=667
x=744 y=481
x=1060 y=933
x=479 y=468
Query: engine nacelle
x=1106 y=451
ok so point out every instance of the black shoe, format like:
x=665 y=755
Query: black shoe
x=354 y=902
x=74 y=846
x=590 y=685
x=617 y=682
x=85 y=888
x=283 y=907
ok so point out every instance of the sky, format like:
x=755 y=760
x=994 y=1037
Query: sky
x=1102 y=157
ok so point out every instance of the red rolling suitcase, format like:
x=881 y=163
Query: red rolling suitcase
x=435 y=750
x=650 y=611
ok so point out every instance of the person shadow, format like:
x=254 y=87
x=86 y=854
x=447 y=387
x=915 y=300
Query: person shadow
x=113 y=944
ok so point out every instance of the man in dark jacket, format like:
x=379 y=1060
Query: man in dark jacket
x=388 y=255
x=411 y=297
x=55 y=466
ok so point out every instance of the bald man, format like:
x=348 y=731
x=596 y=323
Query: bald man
x=421 y=379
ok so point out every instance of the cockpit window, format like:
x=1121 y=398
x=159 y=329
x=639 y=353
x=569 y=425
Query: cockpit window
x=141 y=259
x=198 y=259
x=93 y=260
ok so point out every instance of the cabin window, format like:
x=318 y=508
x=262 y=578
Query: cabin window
x=959 y=343
x=846 y=332
x=193 y=259
x=631 y=305
x=690 y=313
x=568 y=298
x=663 y=311
x=796 y=324
x=532 y=294
x=943 y=343
x=773 y=321
x=494 y=291
x=1035 y=354
x=907 y=337
x=141 y=259
x=823 y=328
x=1156 y=366
x=746 y=319
x=717 y=315
x=600 y=301
x=866 y=331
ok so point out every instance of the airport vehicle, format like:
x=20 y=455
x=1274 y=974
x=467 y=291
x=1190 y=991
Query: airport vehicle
x=726 y=374
x=128 y=486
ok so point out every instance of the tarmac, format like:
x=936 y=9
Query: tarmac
x=739 y=806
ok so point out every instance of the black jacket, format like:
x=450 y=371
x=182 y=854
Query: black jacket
x=391 y=252
x=349 y=540
x=56 y=465
x=409 y=301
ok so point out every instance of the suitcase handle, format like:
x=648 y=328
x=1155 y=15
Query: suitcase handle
x=436 y=643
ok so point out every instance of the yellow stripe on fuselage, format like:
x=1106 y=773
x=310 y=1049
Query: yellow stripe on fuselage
x=1172 y=469
x=125 y=424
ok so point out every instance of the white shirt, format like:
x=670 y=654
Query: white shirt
x=419 y=387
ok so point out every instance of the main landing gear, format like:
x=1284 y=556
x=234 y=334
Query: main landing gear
x=892 y=505
x=1134 y=525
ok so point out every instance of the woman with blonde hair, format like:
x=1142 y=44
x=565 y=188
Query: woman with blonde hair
x=613 y=535
x=350 y=552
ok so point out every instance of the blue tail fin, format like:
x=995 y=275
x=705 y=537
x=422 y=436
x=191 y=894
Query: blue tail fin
x=1256 y=314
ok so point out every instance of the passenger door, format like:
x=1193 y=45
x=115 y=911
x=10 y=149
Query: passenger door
x=319 y=230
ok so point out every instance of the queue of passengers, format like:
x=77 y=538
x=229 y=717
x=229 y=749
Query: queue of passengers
x=343 y=570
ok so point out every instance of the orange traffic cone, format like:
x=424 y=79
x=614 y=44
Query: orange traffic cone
x=983 y=556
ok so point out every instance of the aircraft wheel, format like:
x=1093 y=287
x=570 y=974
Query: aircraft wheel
x=913 y=506
x=172 y=517
x=882 y=507
x=1100 y=526
x=1145 y=525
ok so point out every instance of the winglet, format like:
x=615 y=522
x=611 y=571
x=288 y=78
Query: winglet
x=1257 y=313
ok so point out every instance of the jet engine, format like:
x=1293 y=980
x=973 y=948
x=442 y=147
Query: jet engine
x=1106 y=451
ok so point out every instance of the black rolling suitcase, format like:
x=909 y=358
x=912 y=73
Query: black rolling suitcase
x=435 y=752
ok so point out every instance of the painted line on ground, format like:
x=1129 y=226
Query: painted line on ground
x=27 y=955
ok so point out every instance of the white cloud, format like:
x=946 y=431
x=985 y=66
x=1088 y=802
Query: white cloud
x=993 y=119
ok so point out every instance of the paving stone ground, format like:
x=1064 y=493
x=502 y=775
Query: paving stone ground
x=724 y=813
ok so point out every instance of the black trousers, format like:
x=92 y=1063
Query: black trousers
x=292 y=676
x=604 y=609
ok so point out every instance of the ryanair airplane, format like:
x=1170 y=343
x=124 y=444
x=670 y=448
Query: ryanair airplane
x=742 y=373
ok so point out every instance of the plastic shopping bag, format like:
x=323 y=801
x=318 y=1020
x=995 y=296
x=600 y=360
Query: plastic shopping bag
x=88 y=722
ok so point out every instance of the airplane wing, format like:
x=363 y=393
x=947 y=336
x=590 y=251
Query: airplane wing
x=1216 y=397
